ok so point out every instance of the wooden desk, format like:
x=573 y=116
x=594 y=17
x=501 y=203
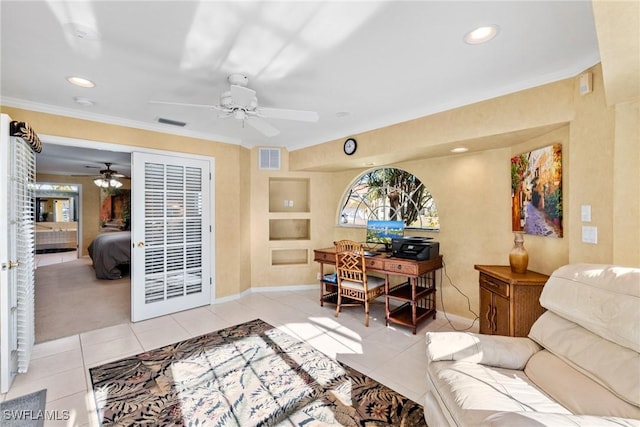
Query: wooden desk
x=417 y=294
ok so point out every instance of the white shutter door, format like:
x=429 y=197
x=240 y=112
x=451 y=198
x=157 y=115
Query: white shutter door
x=17 y=335
x=24 y=178
x=170 y=235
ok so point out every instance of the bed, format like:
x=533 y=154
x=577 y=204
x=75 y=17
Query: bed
x=111 y=254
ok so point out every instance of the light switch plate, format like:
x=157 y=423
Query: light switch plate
x=585 y=213
x=590 y=234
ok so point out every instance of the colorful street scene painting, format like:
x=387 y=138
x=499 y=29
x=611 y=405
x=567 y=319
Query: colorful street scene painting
x=536 y=191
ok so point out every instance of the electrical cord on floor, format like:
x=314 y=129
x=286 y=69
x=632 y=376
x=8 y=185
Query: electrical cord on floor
x=444 y=311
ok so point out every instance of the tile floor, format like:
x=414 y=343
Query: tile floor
x=391 y=355
x=55 y=258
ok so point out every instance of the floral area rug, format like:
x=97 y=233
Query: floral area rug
x=250 y=374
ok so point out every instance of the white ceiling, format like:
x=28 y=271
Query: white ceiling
x=361 y=65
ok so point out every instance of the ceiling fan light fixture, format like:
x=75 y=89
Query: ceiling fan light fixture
x=107 y=183
x=239 y=114
x=481 y=34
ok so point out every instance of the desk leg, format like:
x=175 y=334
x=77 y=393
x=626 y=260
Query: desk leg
x=386 y=299
x=414 y=304
x=321 y=284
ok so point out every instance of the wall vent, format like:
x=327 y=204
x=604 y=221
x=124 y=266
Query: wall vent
x=269 y=158
x=171 y=122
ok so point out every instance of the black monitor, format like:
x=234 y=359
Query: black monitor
x=382 y=232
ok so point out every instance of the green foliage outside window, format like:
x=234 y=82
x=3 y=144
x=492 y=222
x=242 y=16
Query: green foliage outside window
x=390 y=194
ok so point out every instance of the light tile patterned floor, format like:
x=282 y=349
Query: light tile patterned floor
x=391 y=355
x=55 y=258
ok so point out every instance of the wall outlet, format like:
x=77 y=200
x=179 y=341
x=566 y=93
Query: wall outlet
x=318 y=276
x=286 y=203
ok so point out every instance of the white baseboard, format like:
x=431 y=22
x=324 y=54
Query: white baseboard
x=263 y=290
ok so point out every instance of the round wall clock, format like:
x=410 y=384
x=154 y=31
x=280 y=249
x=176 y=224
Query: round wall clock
x=350 y=146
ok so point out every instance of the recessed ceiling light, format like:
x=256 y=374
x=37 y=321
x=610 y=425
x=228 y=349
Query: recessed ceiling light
x=85 y=102
x=481 y=34
x=80 y=81
x=459 y=150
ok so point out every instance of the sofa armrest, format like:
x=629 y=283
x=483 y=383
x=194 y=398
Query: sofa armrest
x=537 y=419
x=493 y=350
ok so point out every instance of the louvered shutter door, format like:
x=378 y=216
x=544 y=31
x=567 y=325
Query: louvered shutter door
x=176 y=275
x=22 y=218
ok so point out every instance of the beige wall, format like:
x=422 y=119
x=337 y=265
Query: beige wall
x=601 y=155
x=320 y=214
x=232 y=266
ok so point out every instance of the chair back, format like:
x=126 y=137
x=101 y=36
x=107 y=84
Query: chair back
x=350 y=262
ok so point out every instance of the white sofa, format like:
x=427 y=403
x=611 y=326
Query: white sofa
x=580 y=365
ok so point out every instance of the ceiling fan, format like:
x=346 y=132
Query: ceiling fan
x=241 y=103
x=108 y=177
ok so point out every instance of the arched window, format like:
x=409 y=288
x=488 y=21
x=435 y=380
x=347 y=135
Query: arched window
x=389 y=194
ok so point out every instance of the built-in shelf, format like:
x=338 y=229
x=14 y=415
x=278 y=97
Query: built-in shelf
x=288 y=195
x=289 y=256
x=289 y=229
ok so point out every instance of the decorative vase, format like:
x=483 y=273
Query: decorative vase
x=518 y=257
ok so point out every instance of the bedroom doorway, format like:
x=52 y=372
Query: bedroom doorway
x=69 y=297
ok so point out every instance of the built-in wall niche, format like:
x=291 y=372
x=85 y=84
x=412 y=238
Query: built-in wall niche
x=289 y=256
x=289 y=229
x=288 y=195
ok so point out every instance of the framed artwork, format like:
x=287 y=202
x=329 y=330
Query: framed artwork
x=536 y=191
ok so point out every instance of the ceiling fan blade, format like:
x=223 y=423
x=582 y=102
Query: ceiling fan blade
x=184 y=104
x=243 y=96
x=262 y=126
x=281 y=113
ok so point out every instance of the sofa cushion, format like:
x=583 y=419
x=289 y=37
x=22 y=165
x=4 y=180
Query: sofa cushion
x=613 y=366
x=493 y=350
x=470 y=392
x=575 y=391
x=601 y=298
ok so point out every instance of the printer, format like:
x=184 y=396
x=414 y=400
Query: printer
x=416 y=248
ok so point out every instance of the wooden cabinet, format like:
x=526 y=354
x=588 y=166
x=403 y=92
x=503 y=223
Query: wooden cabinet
x=509 y=302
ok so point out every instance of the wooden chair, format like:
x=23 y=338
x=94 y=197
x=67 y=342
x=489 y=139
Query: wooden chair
x=353 y=282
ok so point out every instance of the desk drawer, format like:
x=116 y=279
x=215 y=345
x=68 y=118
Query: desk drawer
x=376 y=264
x=401 y=267
x=494 y=285
x=324 y=257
